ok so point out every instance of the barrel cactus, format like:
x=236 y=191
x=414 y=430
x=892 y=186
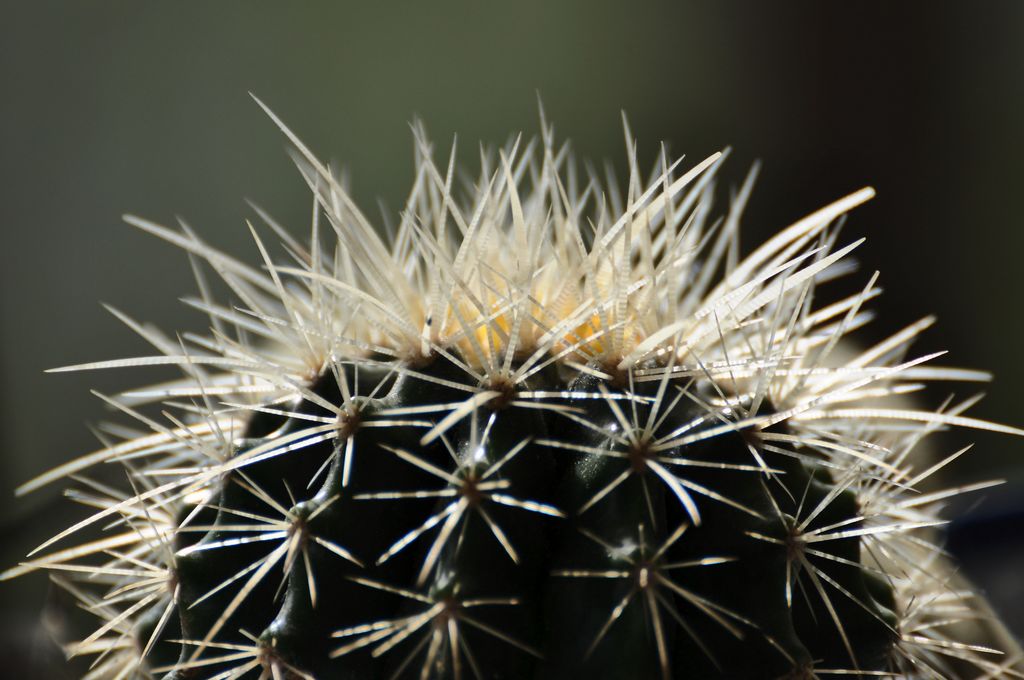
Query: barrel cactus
x=538 y=428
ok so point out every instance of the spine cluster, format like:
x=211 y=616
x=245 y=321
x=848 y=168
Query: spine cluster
x=537 y=428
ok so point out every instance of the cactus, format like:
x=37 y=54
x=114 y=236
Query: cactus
x=537 y=429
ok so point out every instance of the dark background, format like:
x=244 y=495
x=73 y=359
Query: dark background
x=114 y=107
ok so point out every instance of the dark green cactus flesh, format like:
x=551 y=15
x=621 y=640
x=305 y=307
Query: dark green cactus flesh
x=530 y=543
x=536 y=433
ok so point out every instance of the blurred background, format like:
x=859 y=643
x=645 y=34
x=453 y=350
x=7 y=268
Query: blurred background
x=115 y=107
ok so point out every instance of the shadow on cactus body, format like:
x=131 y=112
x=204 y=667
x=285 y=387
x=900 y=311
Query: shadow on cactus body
x=534 y=432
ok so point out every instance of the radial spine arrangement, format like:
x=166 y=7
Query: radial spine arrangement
x=537 y=428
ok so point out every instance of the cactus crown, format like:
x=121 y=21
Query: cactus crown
x=536 y=429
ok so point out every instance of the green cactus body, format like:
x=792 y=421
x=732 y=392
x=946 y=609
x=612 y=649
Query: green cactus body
x=532 y=434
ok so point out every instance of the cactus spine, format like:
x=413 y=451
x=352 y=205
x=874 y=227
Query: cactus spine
x=535 y=430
